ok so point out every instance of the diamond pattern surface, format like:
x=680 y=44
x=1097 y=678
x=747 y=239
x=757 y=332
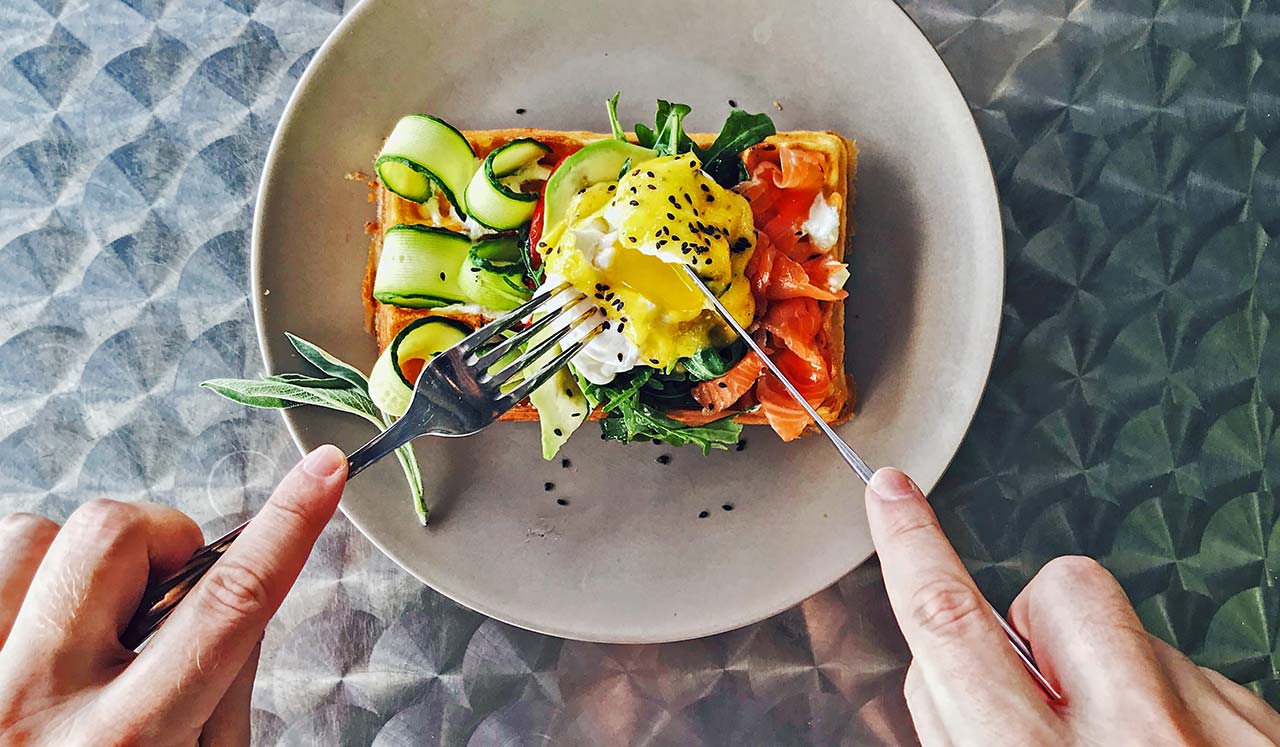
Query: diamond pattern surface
x=1130 y=416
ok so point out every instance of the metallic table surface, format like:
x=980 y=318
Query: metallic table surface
x=1130 y=415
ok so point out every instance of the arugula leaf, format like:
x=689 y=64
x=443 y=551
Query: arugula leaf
x=706 y=364
x=614 y=125
x=347 y=390
x=630 y=419
x=645 y=137
x=671 y=138
x=625 y=165
x=526 y=257
x=740 y=131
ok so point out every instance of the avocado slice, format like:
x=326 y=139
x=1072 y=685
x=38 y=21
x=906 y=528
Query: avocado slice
x=594 y=163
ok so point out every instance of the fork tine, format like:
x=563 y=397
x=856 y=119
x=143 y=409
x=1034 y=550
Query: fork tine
x=538 y=379
x=488 y=331
x=531 y=356
x=492 y=356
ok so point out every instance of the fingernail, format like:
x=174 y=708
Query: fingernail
x=324 y=462
x=888 y=484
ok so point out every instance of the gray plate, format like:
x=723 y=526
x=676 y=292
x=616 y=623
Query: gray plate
x=628 y=560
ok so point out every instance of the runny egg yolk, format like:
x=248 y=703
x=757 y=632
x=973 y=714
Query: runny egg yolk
x=624 y=243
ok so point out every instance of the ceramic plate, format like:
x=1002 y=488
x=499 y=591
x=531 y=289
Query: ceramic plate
x=628 y=559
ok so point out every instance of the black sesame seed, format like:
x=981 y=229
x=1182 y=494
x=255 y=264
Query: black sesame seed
x=661 y=242
x=565 y=464
x=741 y=445
x=581 y=191
x=705 y=188
x=634 y=203
x=685 y=249
x=521 y=110
x=542 y=244
x=672 y=199
x=442 y=276
x=475 y=269
x=605 y=326
x=619 y=357
x=650 y=186
x=569 y=392
x=727 y=507
x=633 y=190
x=703 y=514
x=671 y=216
x=708 y=260
x=632 y=239
x=657 y=441
x=562 y=501
x=663 y=459
x=650 y=173
x=608 y=296
x=799 y=233
x=636 y=172
x=722 y=385
x=612 y=187
x=711 y=198
x=733 y=103
x=600 y=296
x=687 y=198
x=673 y=237
x=601 y=286
x=620 y=324
x=548 y=486
x=575 y=414
x=557 y=431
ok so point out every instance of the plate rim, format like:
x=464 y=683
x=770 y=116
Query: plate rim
x=990 y=195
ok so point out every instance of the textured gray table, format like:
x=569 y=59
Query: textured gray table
x=1129 y=416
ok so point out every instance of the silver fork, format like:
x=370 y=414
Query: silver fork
x=458 y=393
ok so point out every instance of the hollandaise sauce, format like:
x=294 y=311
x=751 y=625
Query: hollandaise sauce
x=623 y=244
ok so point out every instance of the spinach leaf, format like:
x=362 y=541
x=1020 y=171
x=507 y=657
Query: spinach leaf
x=706 y=364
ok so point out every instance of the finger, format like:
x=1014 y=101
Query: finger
x=972 y=674
x=1087 y=638
x=924 y=712
x=229 y=726
x=1262 y=716
x=209 y=636
x=24 y=539
x=1235 y=715
x=89 y=583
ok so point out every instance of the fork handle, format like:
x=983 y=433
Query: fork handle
x=161 y=597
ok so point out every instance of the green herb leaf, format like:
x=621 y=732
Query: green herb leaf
x=526 y=258
x=625 y=165
x=328 y=363
x=630 y=419
x=347 y=390
x=614 y=125
x=706 y=364
x=645 y=136
x=741 y=130
x=671 y=138
x=250 y=392
x=311 y=382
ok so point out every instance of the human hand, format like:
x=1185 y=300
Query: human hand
x=66 y=595
x=965 y=686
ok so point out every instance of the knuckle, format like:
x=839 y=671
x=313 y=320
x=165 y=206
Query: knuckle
x=946 y=607
x=234 y=591
x=102 y=521
x=24 y=524
x=1073 y=570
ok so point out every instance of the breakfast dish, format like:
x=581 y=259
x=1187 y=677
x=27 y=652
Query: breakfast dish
x=470 y=224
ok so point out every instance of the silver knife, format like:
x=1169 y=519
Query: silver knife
x=1019 y=644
